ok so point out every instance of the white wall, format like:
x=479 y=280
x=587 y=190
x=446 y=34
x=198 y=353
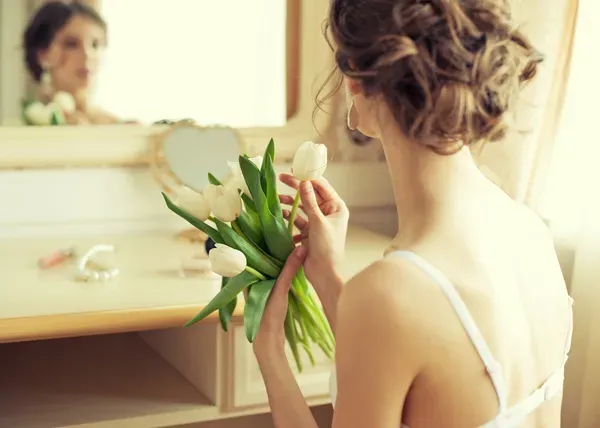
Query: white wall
x=119 y=200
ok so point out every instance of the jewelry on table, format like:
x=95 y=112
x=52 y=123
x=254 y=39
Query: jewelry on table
x=89 y=269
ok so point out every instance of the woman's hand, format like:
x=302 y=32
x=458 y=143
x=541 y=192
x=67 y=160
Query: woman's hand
x=323 y=233
x=77 y=118
x=271 y=334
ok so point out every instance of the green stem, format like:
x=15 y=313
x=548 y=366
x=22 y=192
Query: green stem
x=238 y=229
x=255 y=273
x=290 y=332
x=211 y=218
x=293 y=212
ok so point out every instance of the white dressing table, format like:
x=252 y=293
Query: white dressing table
x=77 y=354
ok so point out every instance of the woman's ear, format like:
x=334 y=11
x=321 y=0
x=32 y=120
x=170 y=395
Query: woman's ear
x=354 y=86
x=42 y=57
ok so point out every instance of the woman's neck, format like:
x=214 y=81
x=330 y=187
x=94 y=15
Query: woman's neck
x=426 y=185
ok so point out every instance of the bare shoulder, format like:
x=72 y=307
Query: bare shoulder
x=389 y=296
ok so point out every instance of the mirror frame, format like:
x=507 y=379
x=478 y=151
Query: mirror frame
x=30 y=147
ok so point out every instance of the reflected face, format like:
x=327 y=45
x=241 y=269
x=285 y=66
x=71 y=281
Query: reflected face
x=73 y=58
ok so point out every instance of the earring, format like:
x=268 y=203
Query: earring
x=352 y=118
x=46 y=81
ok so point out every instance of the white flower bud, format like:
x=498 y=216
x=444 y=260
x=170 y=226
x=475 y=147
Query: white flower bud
x=64 y=101
x=226 y=261
x=194 y=203
x=38 y=114
x=225 y=202
x=310 y=161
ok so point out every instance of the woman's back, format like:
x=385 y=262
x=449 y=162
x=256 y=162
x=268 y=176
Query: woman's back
x=500 y=259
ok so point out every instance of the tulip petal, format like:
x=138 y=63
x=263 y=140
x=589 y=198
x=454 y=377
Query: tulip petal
x=198 y=224
x=231 y=290
x=258 y=294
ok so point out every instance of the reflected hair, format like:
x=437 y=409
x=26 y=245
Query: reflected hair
x=449 y=70
x=49 y=19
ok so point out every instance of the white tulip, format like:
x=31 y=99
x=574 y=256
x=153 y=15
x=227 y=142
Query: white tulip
x=225 y=202
x=237 y=177
x=38 y=114
x=226 y=261
x=64 y=101
x=194 y=203
x=310 y=161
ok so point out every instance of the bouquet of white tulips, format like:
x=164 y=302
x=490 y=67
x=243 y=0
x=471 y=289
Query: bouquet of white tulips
x=252 y=243
x=53 y=113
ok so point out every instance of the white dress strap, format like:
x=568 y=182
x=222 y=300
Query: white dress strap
x=492 y=365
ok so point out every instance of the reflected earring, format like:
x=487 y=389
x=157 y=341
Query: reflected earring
x=46 y=81
x=352 y=118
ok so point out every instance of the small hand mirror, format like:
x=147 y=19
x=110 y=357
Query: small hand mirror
x=187 y=153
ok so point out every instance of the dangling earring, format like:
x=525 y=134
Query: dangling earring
x=352 y=117
x=46 y=81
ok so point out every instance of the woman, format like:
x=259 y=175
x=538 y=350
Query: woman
x=466 y=321
x=64 y=43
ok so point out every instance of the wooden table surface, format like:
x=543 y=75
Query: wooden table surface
x=149 y=293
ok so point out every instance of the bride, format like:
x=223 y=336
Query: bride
x=466 y=321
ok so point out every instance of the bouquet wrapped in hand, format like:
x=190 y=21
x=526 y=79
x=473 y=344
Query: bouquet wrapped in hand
x=243 y=216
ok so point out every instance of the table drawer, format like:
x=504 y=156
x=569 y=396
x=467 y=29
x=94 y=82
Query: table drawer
x=248 y=386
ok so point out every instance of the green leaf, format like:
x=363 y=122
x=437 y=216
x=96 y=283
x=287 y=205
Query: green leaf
x=226 y=312
x=213 y=180
x=252 y=229
x=270 y=150
x=197 y=223
x=249 y=203
x=278 y=238
x=232 y=288
x=272 y=194
x=289 y=327
x=255 y=258
x=254 y=309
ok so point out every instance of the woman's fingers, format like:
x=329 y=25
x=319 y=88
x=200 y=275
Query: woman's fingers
x=325 y=190
x=299 y=222
x=299 y=238
x=286 y=199
x=294 y=183
x=289 y=180
x=292 y=264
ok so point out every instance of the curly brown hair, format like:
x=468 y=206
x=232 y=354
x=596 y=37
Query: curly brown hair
x=448 y=69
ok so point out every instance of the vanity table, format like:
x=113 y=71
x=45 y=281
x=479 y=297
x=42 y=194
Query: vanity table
x=114 y=354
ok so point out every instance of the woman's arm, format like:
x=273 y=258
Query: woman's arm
x=331 y=288
x=378 y=348
x=288 y=406
x=377 y=354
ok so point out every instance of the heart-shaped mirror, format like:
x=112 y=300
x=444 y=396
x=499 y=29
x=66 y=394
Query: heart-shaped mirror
x=186 y=153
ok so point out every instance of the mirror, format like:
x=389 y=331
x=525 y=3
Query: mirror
x=99 y=62
x=186 y=153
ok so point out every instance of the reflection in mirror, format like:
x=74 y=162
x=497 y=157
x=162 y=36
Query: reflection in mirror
x=138 y=61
